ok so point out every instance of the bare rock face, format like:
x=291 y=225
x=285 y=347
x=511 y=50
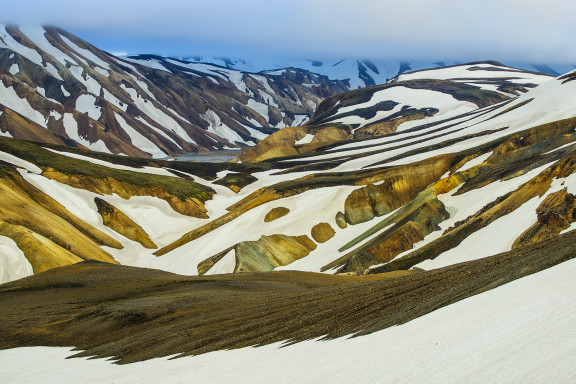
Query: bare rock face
x=400 y=238
x=322 y=232
x=276 y=213
x=270 y=252
x=279 y=143
x=285 y=142
x=555 y=214
x=121 y=223
x=396 y=189
x=42 y=253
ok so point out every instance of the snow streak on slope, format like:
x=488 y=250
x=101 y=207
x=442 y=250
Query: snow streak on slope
x=68 y=72
x=505 y=333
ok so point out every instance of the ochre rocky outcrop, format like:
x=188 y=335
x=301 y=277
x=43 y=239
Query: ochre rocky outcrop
x=121 y=223
x=270 y=252
x=283 y=142
x=549 y=222
x=25 y=206
x=555 y=214
x=322 y=232
x=42 y=253
x=276 y=213
x=401 y=237
x=189 y=206
x=399 y=186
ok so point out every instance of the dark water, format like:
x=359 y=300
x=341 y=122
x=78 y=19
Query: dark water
x=208 y=157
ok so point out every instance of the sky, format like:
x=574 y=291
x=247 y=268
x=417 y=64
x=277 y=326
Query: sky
x=512 y=30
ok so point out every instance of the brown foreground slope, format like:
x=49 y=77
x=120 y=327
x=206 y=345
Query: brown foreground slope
x=135 y=314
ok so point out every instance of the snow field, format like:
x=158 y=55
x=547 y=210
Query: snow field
x=13 y=264
x=503 y=335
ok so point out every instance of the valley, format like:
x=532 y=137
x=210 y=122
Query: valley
x=341 y=224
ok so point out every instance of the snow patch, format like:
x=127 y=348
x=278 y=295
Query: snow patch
x=13 y=263
x=87 y=104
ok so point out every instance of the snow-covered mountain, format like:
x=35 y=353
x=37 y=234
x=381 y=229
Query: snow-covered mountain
x=408 y=100
x=361 y=73
x=59 y=89
x=407 y=185
x=444 y=246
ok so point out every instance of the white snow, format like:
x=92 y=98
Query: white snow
x=224 y=265
x=158 y=130
x=87 y=104
x=258 y=107
x=463 y=73
x=447 y=105
x=299 y=120
x=218 y=128
x=11 y=100
x=7 y=41
x=71 y=128
x=103 y=72
x=305 y=140
x=14 y=69
x=474 y=162
x=495 y=238
x=306 y=210
x=114 y=100
x=85 y=53
x=150 y=63
x=521 y=332
x=20 y=162
x=139 y=140
x=13 y=264
x=64 y=91
x=157 y=115
x=91 y=85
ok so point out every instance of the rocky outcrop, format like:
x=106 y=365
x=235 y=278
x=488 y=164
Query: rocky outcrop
x=341 y=220
x=270 y=252
x=285 y=142
x=42 y=253
x=121 y=223
x=31 y=210
x=190 y=206
x=276 y=213
x=322 y=232
x=555 y=214
x=407 y=231
x=397 y=188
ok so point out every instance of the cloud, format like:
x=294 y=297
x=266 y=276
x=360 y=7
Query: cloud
x=444 y=29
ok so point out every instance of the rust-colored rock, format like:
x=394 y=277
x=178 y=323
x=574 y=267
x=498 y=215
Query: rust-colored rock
x=276 y=213
x=322 y=232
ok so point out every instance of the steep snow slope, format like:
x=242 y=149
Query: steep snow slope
x=59 y=89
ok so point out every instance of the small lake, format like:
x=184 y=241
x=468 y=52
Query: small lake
x=219 y=156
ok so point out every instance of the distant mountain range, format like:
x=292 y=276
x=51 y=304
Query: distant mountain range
x=57 y=88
